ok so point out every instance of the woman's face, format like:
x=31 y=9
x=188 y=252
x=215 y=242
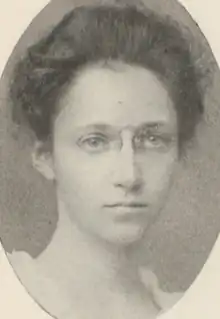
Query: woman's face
x=115 y=149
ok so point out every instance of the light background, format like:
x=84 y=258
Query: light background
x=181 y=240
x=205 y=19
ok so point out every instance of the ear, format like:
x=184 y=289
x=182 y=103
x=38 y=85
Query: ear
x=42 y=161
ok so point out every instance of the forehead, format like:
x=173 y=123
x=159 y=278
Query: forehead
x=119 y=95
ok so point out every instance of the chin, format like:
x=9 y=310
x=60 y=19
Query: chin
x=126 y=237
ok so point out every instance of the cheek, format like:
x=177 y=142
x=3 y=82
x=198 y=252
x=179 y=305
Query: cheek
x=159 y=172
x=80 y=173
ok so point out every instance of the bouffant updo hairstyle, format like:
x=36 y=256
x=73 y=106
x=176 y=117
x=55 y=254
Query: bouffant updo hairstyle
x=89 y=34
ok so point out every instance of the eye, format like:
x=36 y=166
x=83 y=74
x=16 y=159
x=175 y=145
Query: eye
x=150 y=140
x=94 y=143
x=153 y=139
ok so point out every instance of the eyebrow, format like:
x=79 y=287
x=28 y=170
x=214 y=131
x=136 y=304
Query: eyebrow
x=106 y=127
x=152 y=125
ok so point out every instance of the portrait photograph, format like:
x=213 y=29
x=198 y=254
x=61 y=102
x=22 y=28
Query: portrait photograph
x=110 y=157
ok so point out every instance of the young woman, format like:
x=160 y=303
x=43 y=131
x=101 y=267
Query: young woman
x=113 y=97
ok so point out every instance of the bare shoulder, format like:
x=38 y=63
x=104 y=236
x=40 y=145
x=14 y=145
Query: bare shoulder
x=164 y=299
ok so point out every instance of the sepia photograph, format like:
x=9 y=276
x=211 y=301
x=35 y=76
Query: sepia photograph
x=109 y=157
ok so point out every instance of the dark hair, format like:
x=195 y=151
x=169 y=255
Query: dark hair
x=90 y=34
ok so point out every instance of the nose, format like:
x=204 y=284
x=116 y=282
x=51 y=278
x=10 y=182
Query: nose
x=127 y=174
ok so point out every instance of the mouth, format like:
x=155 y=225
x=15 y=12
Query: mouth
x=127 y=205
x=127 y=211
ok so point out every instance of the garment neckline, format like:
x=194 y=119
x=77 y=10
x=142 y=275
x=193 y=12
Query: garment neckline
x=148 y=277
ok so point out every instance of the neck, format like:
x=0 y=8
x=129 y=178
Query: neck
x=92 y=259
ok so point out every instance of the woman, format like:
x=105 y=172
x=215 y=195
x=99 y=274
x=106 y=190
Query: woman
x=113 y=98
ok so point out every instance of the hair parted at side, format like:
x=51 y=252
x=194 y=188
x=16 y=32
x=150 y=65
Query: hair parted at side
x=89 y=34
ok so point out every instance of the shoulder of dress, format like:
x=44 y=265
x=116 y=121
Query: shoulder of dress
x=165 y=300
x=21 y=262
x=18 y=255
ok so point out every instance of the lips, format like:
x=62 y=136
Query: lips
x=131 y=211
x=128 y=205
